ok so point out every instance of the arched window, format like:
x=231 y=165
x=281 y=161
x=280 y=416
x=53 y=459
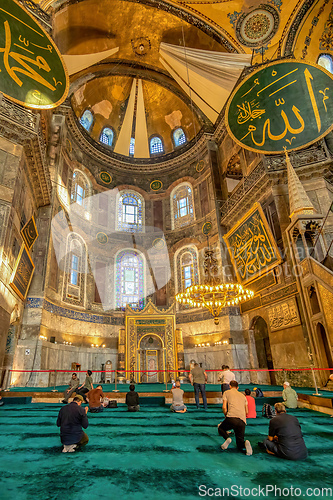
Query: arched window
x=132 y=146
x=179 y=137
x=182 y=210
x=129 y=279
x=326 y=61
x=87 y=119
x=75 y=275
x=156 y=145
x=187 y=268
x=81 y=190
x=106 y=136
x=130 y=212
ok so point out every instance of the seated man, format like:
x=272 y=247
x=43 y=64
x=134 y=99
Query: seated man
x=71 y=419
x=94 y=397
x=235 y=409
x=72 y=386
x=132 y=399
x=285 y=439
x=177 y=399
x=289 y=396
x=251 y=404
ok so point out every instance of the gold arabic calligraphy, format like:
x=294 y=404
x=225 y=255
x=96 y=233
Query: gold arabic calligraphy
x=250 y=110
x=251 y=247
x=24 y=60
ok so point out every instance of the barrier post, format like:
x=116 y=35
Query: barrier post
x=315 y=384
x=9 y=379
x=55 y=380
x=115 y=382
x=166 y=382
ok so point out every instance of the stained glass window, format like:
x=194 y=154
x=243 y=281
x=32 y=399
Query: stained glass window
x=130 y=212
x=74 y=274
x=156 y=145
x=87 y=119
x=179 y=137
x=129 y=279
x=187 y=268
x=326 y=61
x=106 y=136
x=182 y=205
x=132 y=145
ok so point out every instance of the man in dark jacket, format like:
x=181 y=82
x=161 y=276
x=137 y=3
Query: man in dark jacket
x=132 y=399
x=285 y=438
x=71 y=419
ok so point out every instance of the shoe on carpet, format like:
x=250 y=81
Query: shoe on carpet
x=64 y=401
x=261 y=445
x=69 y=448
x=248 y=448
x=226 y=443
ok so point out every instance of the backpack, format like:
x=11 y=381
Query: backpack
x=112 y=404
x=259 y=393
x=268 y=411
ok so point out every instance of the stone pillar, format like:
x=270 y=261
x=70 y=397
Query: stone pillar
x=180 y=355
x=121 y=356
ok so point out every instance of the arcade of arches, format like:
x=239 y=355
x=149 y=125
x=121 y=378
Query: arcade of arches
x=135 y=173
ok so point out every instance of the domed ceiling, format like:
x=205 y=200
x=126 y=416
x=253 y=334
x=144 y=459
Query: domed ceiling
x=136 y=35
x=107 y=97
x=186 y=57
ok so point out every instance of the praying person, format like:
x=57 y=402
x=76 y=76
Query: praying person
x=235 y=409
x=94 y=397
x=225 y=377
x=72 y=386
x=198 y=378
x=177 y=399
x=132 y=399
x=86 y=387
x=251 y=404
x=285 y=438
x=289 y=396
x=71 y=419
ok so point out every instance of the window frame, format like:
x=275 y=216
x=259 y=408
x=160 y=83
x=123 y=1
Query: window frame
x=92 y=123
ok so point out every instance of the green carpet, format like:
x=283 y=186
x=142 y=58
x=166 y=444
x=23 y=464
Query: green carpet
x=150 y=455
x=185 y=387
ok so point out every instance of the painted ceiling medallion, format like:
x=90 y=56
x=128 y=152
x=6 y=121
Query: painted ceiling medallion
x=257 y=27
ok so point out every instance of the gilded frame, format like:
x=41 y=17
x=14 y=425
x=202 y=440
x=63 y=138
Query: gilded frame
x=269 y=235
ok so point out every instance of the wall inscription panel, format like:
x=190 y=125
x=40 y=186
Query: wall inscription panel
x=252 y=247
x=283 y=315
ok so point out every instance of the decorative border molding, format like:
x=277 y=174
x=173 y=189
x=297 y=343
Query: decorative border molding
x=37 y=302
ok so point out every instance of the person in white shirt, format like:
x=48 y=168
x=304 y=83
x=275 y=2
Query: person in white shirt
x=177 y=399
x=225 y=377
x=235 y=409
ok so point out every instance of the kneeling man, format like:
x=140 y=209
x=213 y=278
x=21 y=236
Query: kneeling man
x=235 y=409
x=94 y=398
x=71 y=419
x=177 y=399
x=285 y=439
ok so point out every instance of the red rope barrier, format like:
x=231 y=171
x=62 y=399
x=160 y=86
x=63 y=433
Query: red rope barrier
x=176 y=371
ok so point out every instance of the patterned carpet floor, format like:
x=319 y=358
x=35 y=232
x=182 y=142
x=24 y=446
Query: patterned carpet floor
x=151 y=455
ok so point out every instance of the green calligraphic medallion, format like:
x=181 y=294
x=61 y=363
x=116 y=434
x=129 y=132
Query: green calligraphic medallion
x=286 y=104
x=102 y=238
x=206 y=228
x=32 y=72
x=156 y=185
x=105 y=177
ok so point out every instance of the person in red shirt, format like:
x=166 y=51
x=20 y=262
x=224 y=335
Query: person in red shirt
x=251 y=404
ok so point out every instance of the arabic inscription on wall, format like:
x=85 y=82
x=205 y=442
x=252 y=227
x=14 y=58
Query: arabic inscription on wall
x=283 y=315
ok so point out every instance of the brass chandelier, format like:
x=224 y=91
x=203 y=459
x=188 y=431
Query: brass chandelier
x=212 y=294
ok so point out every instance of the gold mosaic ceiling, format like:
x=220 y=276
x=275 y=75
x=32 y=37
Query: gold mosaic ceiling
x=266 y=29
